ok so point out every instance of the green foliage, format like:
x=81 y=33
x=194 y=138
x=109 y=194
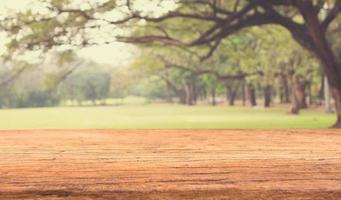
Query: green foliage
x=26 y=91
x=153 y=88
x=66 y=57
x=90 y=82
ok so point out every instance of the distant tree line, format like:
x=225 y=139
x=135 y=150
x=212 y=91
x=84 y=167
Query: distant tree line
x=36 y=87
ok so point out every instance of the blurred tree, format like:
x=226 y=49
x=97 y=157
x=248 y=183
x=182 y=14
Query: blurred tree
x=90 y=82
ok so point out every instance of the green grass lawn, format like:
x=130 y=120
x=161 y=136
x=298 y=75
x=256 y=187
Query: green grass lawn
x=160 y=116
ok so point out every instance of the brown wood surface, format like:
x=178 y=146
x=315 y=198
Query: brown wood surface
x=170 y=164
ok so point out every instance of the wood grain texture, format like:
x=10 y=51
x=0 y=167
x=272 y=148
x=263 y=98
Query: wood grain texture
x=170 y=164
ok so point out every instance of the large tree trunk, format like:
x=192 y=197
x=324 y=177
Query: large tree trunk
x=169 y=98
x=332 y=70
x=179 y=92
x=194 y=90
x=213 y=94
x=302 y=95
x=335 y=86
x=194 y=93
x=337 y=98
x=295 y=105
x=189 y=94
x=321 y=90
x=251 y=93
x=313 y=37
x=231 y=94
x=327 y=98
x=227 y=91
x=295 y=102
x=232 y=97
x=202 y=93
x=267 y=96
x=295 y=108
x=309 y=94
x=182 y=97
x=284 y=90
x=298 y=95
x=243 y=94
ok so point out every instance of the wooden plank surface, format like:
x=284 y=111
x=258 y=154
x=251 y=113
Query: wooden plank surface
x=170 y=164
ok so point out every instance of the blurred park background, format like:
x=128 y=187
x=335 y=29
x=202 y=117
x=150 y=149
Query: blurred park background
x=66 y=65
